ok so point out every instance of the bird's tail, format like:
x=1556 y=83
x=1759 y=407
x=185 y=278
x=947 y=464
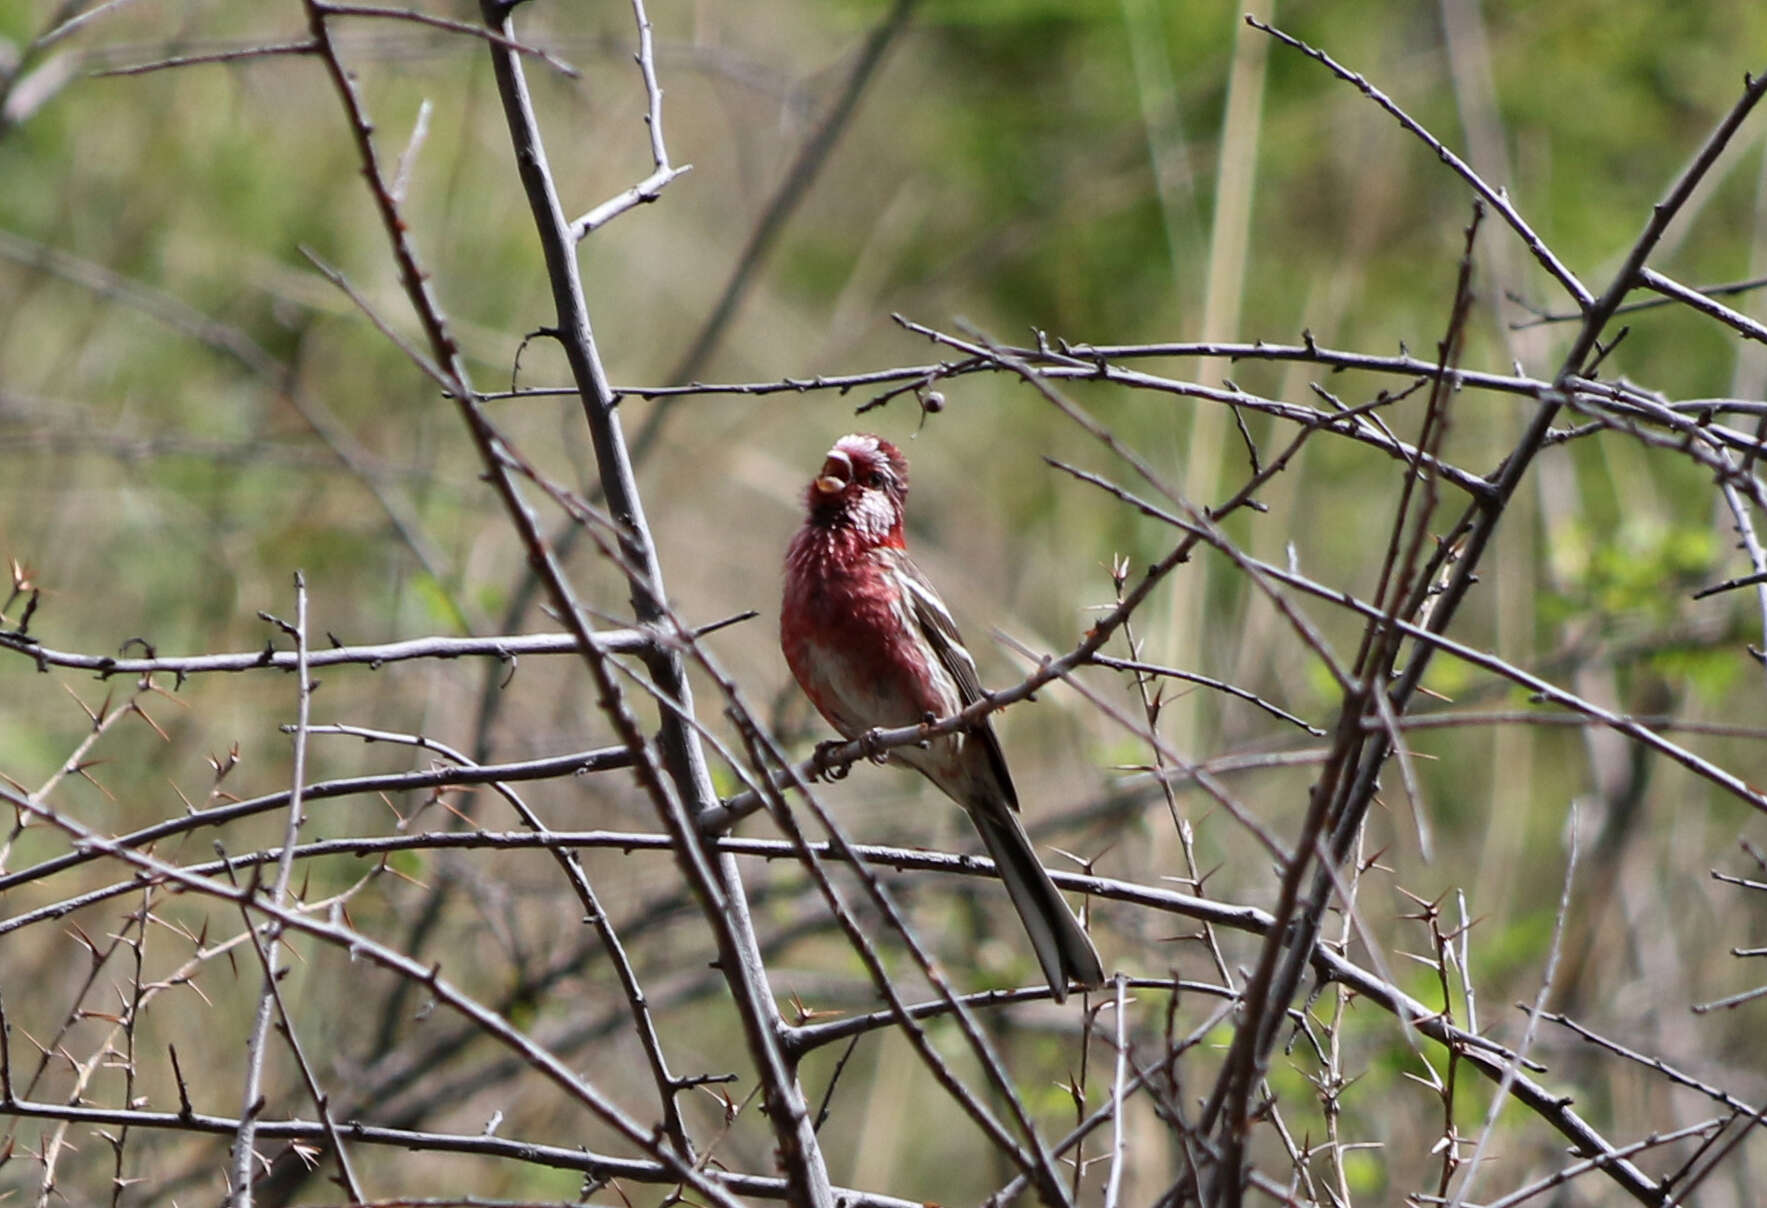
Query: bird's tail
x=1062 y=946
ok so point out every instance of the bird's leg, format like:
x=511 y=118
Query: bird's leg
x=822 y=764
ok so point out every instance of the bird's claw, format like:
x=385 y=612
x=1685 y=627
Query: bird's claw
x=823 y=765
x=870 y=748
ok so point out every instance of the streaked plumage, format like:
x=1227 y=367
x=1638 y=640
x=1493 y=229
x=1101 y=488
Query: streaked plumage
x=873 y=646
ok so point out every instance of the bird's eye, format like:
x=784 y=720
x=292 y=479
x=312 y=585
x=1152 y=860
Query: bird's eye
x=871 y=478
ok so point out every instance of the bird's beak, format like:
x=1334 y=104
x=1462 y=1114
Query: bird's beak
x=837 y=472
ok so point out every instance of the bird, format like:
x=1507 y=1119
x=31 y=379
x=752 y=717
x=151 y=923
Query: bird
x=873 y=646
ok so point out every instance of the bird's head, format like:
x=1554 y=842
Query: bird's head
x=863 y=486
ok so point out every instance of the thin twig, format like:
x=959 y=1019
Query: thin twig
x=506 y=648
x=1206 y=681
x=1113 y=1183
x=546 y=768
x=1674 y=290
x=1535 y=1013
x=244 y=1142
x=454 y=27
x=272 y=50
x=651 y=187
x=1497 y=199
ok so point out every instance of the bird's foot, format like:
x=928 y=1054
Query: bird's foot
x=822 y=764
x=869 y=746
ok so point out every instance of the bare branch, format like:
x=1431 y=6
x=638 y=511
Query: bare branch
x=273 y=50
x=504 y=648
x=244 y=1141
x=1496 y=198
x=651 y=187
x=330 y=9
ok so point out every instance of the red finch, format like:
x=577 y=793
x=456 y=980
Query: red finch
x=873 y=646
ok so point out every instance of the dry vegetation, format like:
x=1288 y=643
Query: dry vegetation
x=398 y=443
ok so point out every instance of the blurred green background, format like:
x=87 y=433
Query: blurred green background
x=189 y=413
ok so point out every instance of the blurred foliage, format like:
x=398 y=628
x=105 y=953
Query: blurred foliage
x=165 y=343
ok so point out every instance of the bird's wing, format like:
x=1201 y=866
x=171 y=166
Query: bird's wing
x=935 y=623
